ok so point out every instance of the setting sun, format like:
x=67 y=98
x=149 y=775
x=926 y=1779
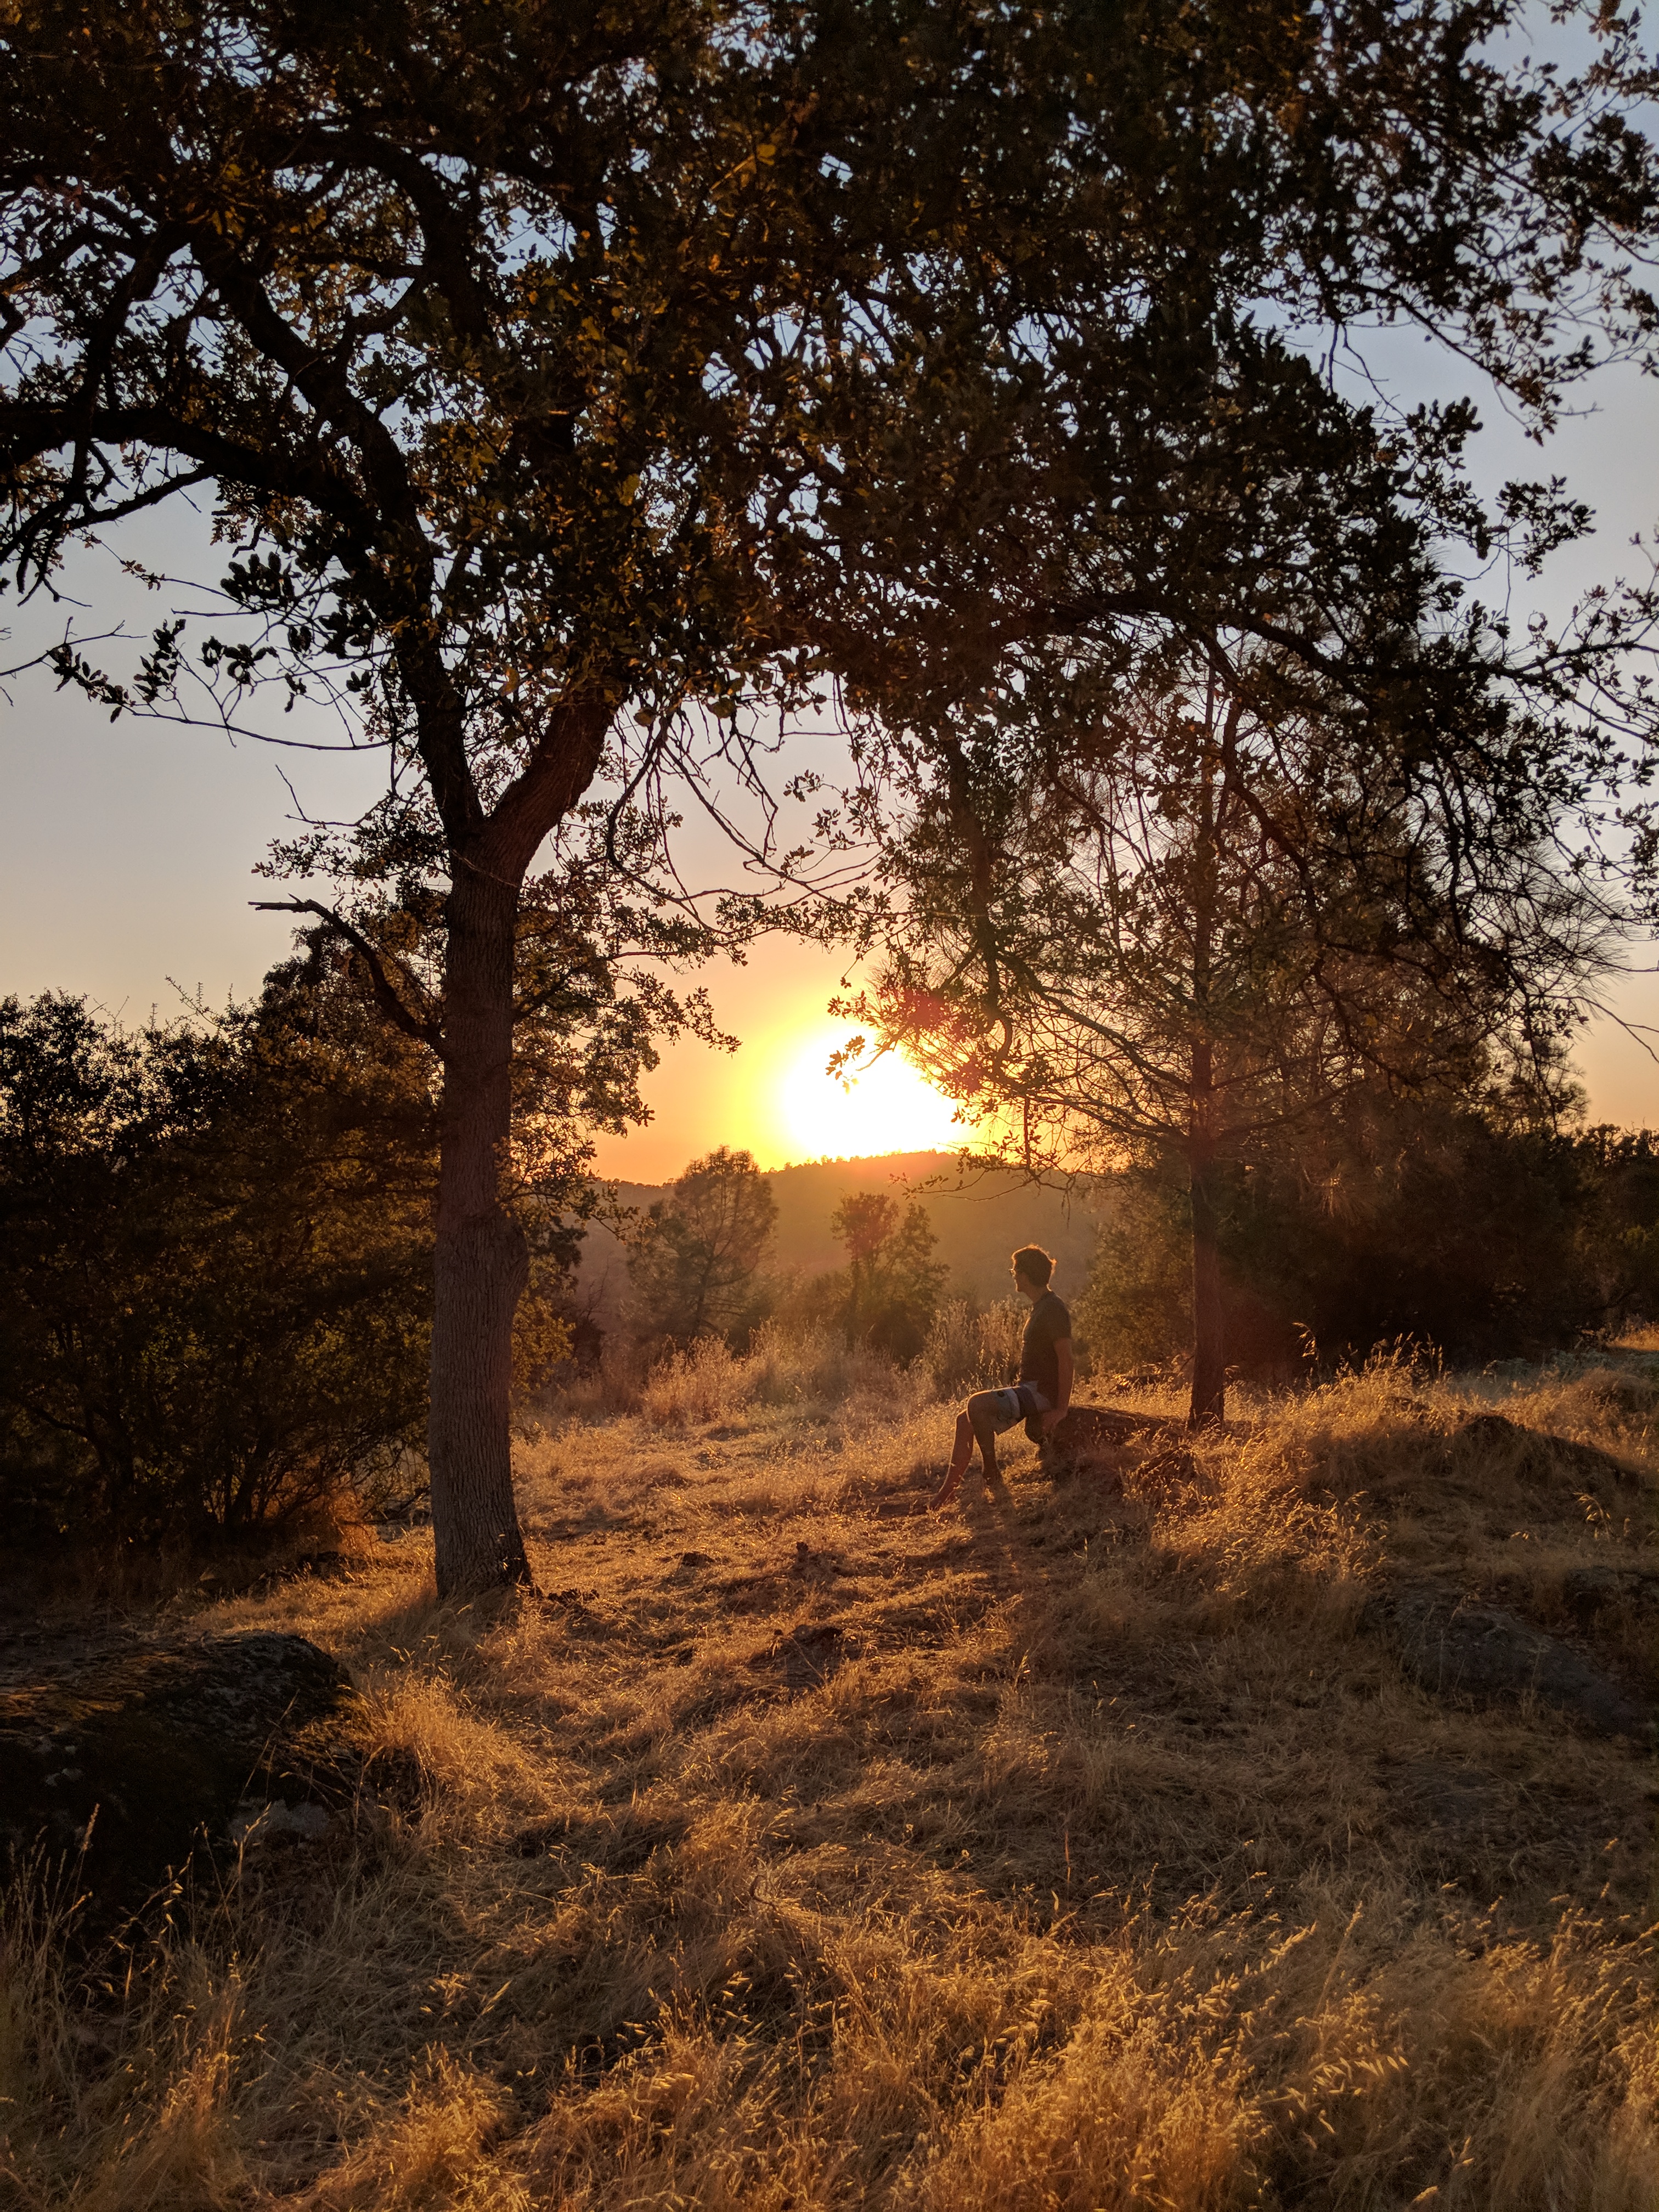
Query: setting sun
x=888 y=1108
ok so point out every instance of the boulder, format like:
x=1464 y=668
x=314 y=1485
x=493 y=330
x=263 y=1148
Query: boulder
x=125 y=1764
x=1458 y=1647
x=1097 y=1438
x=1589 y=1592
x=1483 y=1442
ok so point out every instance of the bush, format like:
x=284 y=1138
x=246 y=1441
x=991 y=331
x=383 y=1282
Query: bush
x=214 y=1264
x=698 y=1385
x=785 y=1366
x=1411 y=1221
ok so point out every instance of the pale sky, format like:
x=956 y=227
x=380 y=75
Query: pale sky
x=127 y=854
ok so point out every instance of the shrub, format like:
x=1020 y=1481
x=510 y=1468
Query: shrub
x=213 y=1265
x=698 y=1385
x=1408 y=1220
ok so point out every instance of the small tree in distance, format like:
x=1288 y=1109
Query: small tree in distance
x=695 y=1264
x=888 y=1294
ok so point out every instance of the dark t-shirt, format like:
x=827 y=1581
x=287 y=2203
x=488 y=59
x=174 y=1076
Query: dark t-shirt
x=1039 y=1364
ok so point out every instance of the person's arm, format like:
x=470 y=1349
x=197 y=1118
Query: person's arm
x=1063 y=1375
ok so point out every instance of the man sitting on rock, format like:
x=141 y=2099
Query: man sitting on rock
x=1043 y=1391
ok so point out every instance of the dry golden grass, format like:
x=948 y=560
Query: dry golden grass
x=811 y=1851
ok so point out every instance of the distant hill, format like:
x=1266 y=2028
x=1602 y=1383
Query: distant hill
x=978 y=1222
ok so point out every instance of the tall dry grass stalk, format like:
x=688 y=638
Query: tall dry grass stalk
x=971 y=1348
x=708 y=1382
x=1069 y=1852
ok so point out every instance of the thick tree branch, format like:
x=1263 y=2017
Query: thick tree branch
x=272 y=468
x=559 y=769
x=425 y=1031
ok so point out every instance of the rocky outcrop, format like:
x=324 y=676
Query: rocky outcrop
x=1588 y=1593
x=1088 y=1429
x=126 y=1763
x=1103 y=1442
x=1483 y=1442
x=1458 y=1647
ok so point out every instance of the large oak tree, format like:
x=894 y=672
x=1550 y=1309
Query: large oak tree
x=468 y=317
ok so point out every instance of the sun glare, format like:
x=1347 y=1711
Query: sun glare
x=889 y=1108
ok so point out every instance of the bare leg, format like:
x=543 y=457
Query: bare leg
x=978 y=1418
x=973 y=1427
x=960 y=1452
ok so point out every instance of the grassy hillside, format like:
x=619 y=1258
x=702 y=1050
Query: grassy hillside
x=978 y=1221
x=1070 y=1851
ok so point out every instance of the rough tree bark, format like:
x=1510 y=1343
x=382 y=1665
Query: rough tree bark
x=480 y=1263
x=1209 y=1398
x=480 y=1259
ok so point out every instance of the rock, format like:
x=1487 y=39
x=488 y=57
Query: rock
x=1587 y=1592
x=1096 y=1437
x=1477 y=1429
x=1104 y=1427
x=257 y=1820
x=1457 y=1647
x=128 y=1762
x=1529 y=1455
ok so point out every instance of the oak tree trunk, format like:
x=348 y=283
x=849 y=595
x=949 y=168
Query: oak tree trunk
x=480 y=1263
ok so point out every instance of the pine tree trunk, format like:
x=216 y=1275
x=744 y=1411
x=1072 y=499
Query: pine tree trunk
x=1209 y=1400
x=480 y=1264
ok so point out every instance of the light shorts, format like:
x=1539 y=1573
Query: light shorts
x=1021 y=1404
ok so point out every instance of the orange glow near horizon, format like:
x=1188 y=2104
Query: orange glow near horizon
x=889 y=1106
x=772 y=1097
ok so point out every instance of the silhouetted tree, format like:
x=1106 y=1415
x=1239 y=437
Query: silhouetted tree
x=1476 y=1233
x=463 y=312
x=889 y=1292
x=1210 y=913
x=695 y=1267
